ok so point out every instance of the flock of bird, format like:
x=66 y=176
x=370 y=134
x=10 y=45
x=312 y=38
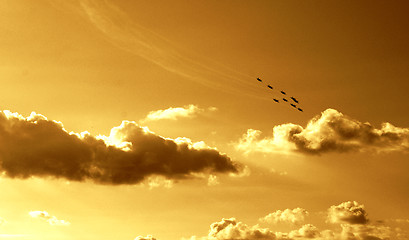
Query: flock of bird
x=294 y=100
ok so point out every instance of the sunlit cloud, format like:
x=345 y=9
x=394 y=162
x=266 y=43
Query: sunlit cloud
x=329 y=132
x=294 y=216
x=37 y=147
x=347 y=229
x=172 y=113
x=52 y=220
x=213 y=180
x=349 y=212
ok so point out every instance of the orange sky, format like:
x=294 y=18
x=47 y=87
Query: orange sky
x=202 y=141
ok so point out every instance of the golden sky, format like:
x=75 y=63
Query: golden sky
x=145 y=120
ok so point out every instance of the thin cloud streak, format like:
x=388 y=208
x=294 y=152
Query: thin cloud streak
x=122 y=32
x=38 y=147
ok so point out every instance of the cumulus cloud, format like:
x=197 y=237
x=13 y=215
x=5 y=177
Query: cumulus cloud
x=36 y=146
x=52 y=220
x=171 y=113
x=329 y=132
x=346 y=217
x=230 y=228
x=294 y=216
x=349 y=212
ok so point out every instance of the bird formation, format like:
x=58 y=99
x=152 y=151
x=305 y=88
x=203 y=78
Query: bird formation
x=294 y=100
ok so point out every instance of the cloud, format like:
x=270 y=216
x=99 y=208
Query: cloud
x=52 y=220
x=367 y=232
x=230 y=228
x=38 y=147
x=349 y=212
x=149 y=237
x=175 y=113
x=119 y=29
x=348 y=229
x=306 y=231
x=294 y=216
x=213 y=180
x=329 y=132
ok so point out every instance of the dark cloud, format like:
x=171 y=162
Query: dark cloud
x=329 y=132
x=35 y=146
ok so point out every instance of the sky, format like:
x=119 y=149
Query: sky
x=144 y=120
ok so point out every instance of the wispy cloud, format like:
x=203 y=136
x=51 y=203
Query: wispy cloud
x=174 y=113
x=329 y=132
x=35 y=146
x=52 y=220
x=129 y=36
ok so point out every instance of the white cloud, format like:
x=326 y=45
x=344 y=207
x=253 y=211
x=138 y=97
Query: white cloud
x=346 y=215
x=349 y=212
x=52 y=220
x=213 y=180
x=330 y=132
x=172 y=113
x=294 y=216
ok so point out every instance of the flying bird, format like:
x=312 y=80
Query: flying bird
x=269 y=86
x=293 y=105
x=299 y=109
x=285 y=100
x=283 y=92
x=275 y=100
x=258 y=79
x=295 y=100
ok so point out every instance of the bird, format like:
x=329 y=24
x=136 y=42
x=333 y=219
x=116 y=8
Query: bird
x=258 y=79
x=275 y=100
x=285 y=100
x=293 y=105
x=295 y=100
x=283 y=92
x=269 y=86
x=299 y=109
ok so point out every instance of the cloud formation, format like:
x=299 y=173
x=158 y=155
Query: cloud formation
x=349 y=212
x=294 y=216
x=348 y=215
x=171 y=113
x=52 y=220
x=329 y=132
x=230 y=228
x=36 y=146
